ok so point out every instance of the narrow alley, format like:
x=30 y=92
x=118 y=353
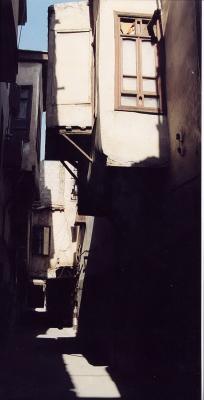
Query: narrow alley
x=42 y=362
x=100 y=200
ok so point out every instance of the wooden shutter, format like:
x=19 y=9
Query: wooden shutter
x=41 y=240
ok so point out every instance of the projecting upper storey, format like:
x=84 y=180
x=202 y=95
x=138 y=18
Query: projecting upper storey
x=106 y=75
x=130 y=81
x=70 y=76
x=27 y=101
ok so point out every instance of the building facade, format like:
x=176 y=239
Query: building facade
x=20 y=177
x=12 y=14
x=57 y=237
x=135 y=140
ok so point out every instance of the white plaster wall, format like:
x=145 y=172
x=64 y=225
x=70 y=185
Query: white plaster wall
x=31 y=74
x=126 y=137
x=71 y=16
x=52 y=183
x=69 y=100
x=55 y=190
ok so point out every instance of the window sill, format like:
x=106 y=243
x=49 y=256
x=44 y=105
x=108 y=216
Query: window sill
x=140 y=110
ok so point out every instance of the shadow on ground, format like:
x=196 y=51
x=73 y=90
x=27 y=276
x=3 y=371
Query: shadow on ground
x=37 y=360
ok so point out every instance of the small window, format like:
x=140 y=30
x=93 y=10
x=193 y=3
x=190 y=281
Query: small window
x=24 y=103
x=41 y=240
x=138 y=71
x=21 y=121
x=74 y=192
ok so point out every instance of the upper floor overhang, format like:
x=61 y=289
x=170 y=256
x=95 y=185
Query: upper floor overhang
x=70 y=92
x=73 y=145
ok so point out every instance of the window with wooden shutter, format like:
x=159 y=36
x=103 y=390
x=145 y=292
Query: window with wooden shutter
x=138 y=69
x=21 y=121
x=41 y=240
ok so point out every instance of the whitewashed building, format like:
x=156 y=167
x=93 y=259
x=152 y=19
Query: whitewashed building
x=56 y=240
x=124 y=109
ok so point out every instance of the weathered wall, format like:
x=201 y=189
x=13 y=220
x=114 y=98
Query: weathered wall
x=123 y=272
x=7 y=288
x=57 y=210
x=69 y=98
x=96 y=286
x=148 y=321
x=31 y=74
x=182 y=200
x=4 y=121
x=8 y=183
x=127 y=138
x=182 y=87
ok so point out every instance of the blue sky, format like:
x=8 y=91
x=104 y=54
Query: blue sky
x=33 y=36
x=34 y=33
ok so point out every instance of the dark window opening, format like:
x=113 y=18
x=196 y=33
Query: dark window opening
x=21 y=121
x=41 y=240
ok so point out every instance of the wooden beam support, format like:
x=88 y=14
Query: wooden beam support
x=77 y=147
x=70 y=171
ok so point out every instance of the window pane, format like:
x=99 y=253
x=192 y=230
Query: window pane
x=129 y=57
x=149 y=85
x=130 y=84
x=128 y=101
x=148 y=59
x=46 y=238
x=22 y=109
x=37 y=240
x=24 y=93
x=151 y=102
x=144 y=27
x=127 y=27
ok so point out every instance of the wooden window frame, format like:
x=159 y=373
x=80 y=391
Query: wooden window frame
x=38 y=240
x=22 y=125
x=139 y=92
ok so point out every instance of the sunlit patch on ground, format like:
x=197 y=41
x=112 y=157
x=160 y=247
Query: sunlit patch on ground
x=89 y=381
